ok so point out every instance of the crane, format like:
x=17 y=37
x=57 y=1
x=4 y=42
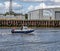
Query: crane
x=10 y=7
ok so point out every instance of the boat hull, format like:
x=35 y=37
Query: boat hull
x=23 y=32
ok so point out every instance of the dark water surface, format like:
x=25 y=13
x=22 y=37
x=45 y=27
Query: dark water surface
x=43 y=39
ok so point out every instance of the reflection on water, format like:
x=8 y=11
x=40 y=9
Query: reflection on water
x=42 y=39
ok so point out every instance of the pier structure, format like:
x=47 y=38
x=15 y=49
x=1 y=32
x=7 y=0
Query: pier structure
x=30 y=23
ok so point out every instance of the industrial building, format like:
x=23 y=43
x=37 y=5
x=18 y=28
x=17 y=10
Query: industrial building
x=45 y=14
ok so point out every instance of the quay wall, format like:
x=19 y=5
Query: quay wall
x=30 y=23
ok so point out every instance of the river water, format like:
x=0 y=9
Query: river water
x=42 y=39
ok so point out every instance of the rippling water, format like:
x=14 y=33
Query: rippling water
x=42 y=39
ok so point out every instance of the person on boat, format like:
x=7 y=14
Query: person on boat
x=21 y=27
x=13 y=29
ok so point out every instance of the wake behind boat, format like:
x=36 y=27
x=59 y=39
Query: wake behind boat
x=24 y=30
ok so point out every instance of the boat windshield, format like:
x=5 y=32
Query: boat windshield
x=25 y=27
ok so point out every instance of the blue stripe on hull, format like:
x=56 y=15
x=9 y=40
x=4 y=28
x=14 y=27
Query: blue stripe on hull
x=22 y=31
